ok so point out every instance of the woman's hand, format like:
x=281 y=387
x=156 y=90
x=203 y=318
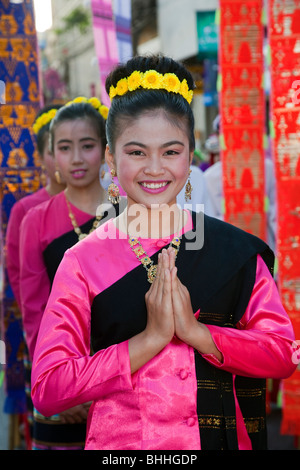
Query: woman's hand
x=77 y=414
x=187 y=328
x=160 y=319
x=160 y=322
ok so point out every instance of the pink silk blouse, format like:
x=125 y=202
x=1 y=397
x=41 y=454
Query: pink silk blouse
x=12 y=239
x=41 y=225
x=156 y=407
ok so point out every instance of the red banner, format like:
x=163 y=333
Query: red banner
x=284 y=38
x=242 y=109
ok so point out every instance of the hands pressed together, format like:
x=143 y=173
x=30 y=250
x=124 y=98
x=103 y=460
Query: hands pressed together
x=170 y=314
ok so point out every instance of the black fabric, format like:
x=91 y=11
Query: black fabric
x=220 y=277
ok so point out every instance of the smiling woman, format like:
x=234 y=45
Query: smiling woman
x=43 y=15
x=180 y=352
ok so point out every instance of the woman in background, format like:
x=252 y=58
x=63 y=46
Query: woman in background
x=77 y=137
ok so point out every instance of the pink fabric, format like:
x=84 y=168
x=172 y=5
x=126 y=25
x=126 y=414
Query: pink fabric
x=12 y=239
x=155 y=408
x=41 y=225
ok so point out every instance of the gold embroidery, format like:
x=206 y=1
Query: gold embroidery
x=215 y=422
x=254 y=424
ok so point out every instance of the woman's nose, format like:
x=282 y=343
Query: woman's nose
x=154 y=166
x=77 y=156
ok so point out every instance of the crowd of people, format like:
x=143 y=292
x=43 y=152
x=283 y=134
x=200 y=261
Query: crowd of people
x=150 y=323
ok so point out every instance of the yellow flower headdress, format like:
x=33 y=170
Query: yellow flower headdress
x=152 y=80
x=43 y=120
x=95 y=102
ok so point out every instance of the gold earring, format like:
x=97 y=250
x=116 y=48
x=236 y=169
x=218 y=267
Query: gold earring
x=188 y=188
x=57 y=177
x=113 y=190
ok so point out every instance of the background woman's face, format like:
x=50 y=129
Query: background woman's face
x=78 y=152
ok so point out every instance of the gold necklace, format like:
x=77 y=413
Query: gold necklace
x=77 y=230
x=146 y=261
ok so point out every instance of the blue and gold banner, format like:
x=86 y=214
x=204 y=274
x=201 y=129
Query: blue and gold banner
x=19 y=164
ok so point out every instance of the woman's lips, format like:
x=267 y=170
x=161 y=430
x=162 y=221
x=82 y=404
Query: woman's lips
x=77 y=174
x=154 y=187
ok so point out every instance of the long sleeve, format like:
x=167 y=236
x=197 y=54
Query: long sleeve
x=12 y=248
x=262 y=344
x=64 y=373
x=34 y=280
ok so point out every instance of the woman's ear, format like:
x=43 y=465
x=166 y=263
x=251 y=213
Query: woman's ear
x=109 y=158
x=191 y=157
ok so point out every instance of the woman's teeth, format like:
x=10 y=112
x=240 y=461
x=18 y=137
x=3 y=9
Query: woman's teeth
x=154 y=185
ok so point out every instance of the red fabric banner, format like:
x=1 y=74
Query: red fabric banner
x=242 y=109
x=284 y=39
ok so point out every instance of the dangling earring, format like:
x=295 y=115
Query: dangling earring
x=113 y=190
x=43 y=176
x=188 y=188
x=57 y=177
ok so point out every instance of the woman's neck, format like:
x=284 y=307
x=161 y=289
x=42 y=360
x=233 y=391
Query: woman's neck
x=53 y=187
x=86 y=199
x=155 y=222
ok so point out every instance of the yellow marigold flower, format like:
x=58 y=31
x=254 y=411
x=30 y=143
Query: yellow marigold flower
x=135 y=80
x=184 y=89
x=172 y=82
x=190 y=96
x=80 y=99
x=122 y=86
x=95 y=102
x=112 y=92
x=152 y=80
x=103 y=111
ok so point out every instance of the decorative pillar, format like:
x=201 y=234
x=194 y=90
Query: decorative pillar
x=284 y=41
x=242 y=110
x=19 y=164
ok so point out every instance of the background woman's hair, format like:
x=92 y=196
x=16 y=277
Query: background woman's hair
x=42 y=135
x=132 y=104
x=80 y=110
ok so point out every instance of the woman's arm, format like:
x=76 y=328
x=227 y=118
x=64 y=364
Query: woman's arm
x=64 y=374
x=263 y=343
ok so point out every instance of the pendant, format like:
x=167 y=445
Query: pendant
x=82 y=236
x=151 y=273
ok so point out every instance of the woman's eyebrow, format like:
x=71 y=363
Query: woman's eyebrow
x=166 y=144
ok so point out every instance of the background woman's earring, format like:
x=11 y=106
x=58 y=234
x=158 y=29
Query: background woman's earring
x=57 y=177
x=188 y=189
x=113 y=190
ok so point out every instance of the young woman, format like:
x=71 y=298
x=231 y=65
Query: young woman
x=77 y=136
x=183 y=330
x=20 y=208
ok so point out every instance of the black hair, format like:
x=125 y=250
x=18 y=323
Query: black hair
x=43 y=133
x=79 y=110
x=132 y=104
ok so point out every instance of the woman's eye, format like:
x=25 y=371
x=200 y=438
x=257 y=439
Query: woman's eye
x=171 y=152
x=63 y=148
x=136 y=152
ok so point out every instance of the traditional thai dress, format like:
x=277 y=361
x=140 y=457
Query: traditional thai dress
x=46 y=233
x=180 y=399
